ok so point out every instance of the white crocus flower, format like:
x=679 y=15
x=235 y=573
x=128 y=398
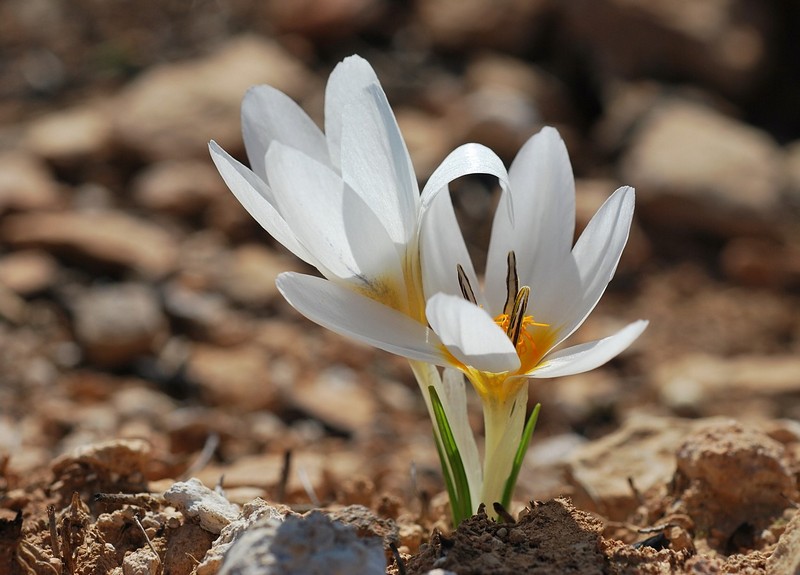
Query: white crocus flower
x=538 y=290
x=346 y=201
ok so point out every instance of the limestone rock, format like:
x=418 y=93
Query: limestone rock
x=786 y=556
x=309 y=545
x=28 y=271
x=199 y=503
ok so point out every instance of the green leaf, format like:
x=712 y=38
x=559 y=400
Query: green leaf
x=524 y=441
x=455 y=476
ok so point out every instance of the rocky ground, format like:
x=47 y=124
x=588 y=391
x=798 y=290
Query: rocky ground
x=143 y=343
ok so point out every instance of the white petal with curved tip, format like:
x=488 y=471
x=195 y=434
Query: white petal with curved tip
x=442 y=249
x=376 y=164
x=347 y=313
x=269 y=115
x=470 y=334
x=576 y=291
x=587 y=356
x=255 y=196
x=346 y=84
x=543 y=188
x=464 y=160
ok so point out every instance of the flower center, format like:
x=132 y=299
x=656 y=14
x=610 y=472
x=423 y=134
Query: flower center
x=529 y=343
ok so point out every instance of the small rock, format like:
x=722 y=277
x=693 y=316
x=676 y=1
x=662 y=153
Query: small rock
x=70 y=136
x=337 y=398
x=105 y=237
x=206 y=316
x=26 y=184
x=323 y=19
x=427 y=137
x=182 y=188
x=117 y=323
x=28 y=272
x=708 y=483
x=730 y=174
x=157 y=115
x=141 y=561
x=309 y=545
x=248 y=277
x=187 y=544
x=786 y=556
x=237 y=376
x=758 y=262
x=201 y=504
x=121 y=457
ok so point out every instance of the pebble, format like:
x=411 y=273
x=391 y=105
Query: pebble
x=786 y=556
x=69 y=137
x=177 y=187
x=203 y=505
x=248 y=276
x=117 y=323
x=26 y=183
x=28 y=272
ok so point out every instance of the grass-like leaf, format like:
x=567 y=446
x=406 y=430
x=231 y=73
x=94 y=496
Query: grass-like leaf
x=456 y=477
x=524 y=441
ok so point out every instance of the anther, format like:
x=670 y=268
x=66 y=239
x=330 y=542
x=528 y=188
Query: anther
x=512 y=282
x=518 y=314
x=466 y=288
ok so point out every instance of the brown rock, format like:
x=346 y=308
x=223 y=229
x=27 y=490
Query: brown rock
x=248 y=277
x=720 y=43
x=336 y=397
x=642 y=451
x=26 y=184
x=157 y=115
x=786 y=556
x=28 y=271
x=510 y=25
x=323 y=19
x=182 y=188
x=700 y=383
x=73 y=135
x=104 y=237
x=730 y=174
x=728 y=475
x=115 y=324
x=236 y=376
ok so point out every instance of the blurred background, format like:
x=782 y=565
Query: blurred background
x=137 y=297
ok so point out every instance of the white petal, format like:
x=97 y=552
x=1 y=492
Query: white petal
x=464 y=160
x=256 y=198
x=543 y=227
x=270 y=115
x=587 y=356
x=470 y=334
x=331 y=220
x=582 y=282
x=350 y=314
x=442 y=249
x=376 y=164
x=346 y=84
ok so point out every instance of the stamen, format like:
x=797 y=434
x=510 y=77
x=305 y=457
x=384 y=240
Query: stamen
x=512 y=283
x=517 y=315
x=466 y=288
